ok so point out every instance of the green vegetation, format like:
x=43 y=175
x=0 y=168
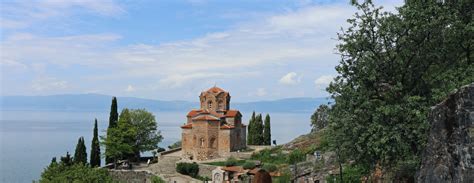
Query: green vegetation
x=267 y=135
x=231 y=161
x=136 y=132
x=95 y=148
x=273 y=155
x=156 y=179
x=258 y=132
x=296 y=156
x=269 y=167
x=249 y=165
x=319 y=119
x=191 y=169
x=80 y=155
x=113 y=119
x=66 y=171
x=224 y=163
x=251 y=130
x=393 y=68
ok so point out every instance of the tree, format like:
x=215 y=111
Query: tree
x=60 y=172
x=147 y=135
x=250 y=128
x=267 y=138
x=66 y=160
x=319 y=119
x=121 y=139
x=113 y=119
x=393 y=67
x=175 y=145
x=258 y=130
x=80 y=155
x=95 y=148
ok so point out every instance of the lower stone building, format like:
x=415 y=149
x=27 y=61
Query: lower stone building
x=214 y=130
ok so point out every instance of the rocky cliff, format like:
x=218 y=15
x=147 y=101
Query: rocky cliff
x=448 y=154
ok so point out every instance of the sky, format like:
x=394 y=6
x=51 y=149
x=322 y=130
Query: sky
x=171 y=49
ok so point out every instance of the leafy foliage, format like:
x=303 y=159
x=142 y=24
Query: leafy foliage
x=147 y=136
x=191 y=169
x=274 y=156
x=267 y=136
x=319 y=119
x=393 y=67
x=269 y=167
x=156 y=179
x=251 y=130
x=175 y=145
x=113 y=119
x=249 y=165
x=95 y=148
x=120 y=140
x=231 y=161
x=296 y=156
x=80 y=155
x=63 y=172
x=258 y=130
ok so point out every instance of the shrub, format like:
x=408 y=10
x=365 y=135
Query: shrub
x=249 y=165
x=269 y=167
x=231 y=161
x=295 y=157
x=191 y=169
x=156 y=179
x=61 y=172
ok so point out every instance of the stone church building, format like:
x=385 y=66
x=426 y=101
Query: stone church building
x=214 y=130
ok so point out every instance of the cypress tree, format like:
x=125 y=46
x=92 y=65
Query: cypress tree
x=95 y=148
x=80 y=155
x=66 y=160
x=250 y=134
x=113 y=118
x=258 y=130
x=266 y=131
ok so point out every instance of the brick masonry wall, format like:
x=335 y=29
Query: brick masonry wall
x=131 y=176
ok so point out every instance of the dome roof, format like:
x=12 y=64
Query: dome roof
x=216 y=89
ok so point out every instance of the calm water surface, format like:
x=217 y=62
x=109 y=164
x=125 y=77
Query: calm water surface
x=29 y=139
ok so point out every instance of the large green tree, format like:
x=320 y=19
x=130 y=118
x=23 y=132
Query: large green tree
x=393 y=67
x=267 y=135
x=61 y=172
x=113 y=119
x=80 y=155
x=251 y=130
x=147 y=134
x=95 y=148
x=120 y=140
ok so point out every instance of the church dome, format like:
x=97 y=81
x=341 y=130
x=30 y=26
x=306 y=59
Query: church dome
x=216 y=89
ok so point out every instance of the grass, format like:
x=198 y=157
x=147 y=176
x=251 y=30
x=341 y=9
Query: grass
x=222 y=163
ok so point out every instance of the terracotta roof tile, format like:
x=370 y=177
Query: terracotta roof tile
x=216 y=89
x=233 y=168
x=231 y=113
x=189 y=125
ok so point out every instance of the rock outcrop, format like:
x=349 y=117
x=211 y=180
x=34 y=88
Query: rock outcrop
x=448 y=154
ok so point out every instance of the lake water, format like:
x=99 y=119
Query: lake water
x=29 y=139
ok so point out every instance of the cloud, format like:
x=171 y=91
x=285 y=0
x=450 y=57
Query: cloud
x=261 y=92
x=130 y=88
x=324 y=80
x=48 y=83
x=290 y=79
x=297 y=37
x=22 y=14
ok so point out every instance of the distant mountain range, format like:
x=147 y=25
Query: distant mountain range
x=97 y=102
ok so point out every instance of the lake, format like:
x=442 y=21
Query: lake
x=29 y=139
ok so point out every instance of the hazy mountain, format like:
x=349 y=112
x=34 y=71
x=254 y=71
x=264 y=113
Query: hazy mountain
x=97 y=102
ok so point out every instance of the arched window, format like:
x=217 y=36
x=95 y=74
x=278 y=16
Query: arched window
x=209 y=105
x=202 y=142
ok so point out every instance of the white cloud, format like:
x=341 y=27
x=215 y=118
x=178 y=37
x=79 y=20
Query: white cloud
x=130 y=88
x=23 y=14
x=290 y=79
x=261 y=92
x=324 y=80
x=48 y=83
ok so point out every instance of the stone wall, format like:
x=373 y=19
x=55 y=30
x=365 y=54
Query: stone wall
x=448 y=154
x=206 y=170
x=130 y=176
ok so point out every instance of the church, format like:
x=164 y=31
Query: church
x=214 y=130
